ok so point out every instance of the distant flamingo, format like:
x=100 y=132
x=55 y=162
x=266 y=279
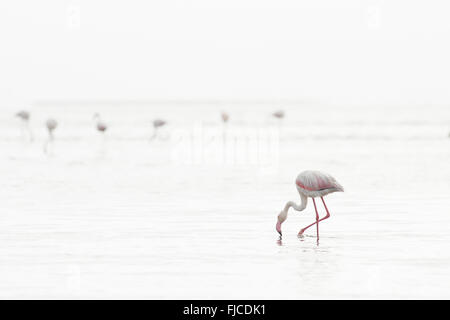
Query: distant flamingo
x=51 y=125
x=278 y=114
x=225 y=117
x=100 y=125
x=310 y=184
x=157 y=123
x=25 y=117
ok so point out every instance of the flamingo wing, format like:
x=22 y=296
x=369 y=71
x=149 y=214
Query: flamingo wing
x=317 y=181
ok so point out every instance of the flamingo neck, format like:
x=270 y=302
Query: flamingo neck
x=298 y=207
x=292 y=204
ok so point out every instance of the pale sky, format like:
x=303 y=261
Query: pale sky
x=345 y=51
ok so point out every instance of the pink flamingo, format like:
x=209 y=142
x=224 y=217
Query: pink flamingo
x=100 y=125
x=51 y=125
x=278 y=114
x=25 y=117
x=310 y=184
x=225 y=117
x=157 y=123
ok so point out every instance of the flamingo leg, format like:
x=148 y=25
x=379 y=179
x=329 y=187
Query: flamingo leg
x=154 y=134
x=317 y=218
x=30 y=134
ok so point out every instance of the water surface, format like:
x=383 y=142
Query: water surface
x=125 y=217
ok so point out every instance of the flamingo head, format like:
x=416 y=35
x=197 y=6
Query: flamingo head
x=281 y=218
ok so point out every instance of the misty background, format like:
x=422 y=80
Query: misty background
x=344 y=52
x=135 y=212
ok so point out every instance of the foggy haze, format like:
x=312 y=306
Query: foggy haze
x=361 y=52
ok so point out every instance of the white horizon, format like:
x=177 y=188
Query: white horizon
x=352 y=52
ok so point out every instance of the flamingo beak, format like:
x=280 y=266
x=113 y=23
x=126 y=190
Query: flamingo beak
x=278 y=227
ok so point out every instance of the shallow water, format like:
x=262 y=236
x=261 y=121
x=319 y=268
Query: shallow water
x=183 y=217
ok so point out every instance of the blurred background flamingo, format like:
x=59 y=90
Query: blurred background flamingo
x=278 y=114
x=100 y=125
x=25 y=129
x=157 y=123
x=51 y=125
